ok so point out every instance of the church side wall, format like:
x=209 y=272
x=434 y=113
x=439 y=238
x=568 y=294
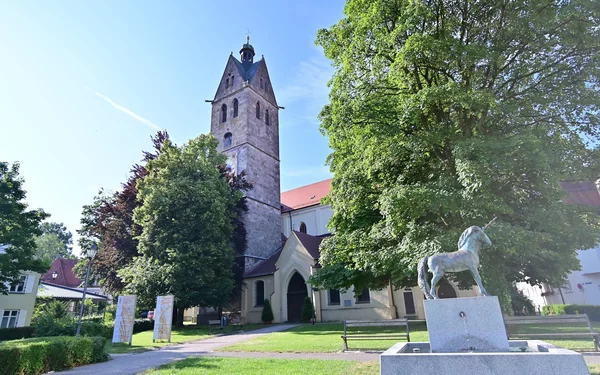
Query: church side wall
x=252 y=313
x=378 y=308
x=315 y=218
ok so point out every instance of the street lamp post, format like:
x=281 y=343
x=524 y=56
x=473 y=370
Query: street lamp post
x=91 y=253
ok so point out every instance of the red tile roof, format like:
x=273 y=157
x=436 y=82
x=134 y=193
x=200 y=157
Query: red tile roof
x=65 y=275
x=585 y=193
x=305 y=196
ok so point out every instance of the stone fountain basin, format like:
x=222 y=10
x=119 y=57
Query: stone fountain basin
x=539 y=358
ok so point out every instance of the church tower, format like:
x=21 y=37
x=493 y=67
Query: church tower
x=245 y=120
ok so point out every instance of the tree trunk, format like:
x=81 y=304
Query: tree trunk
x=179 y=321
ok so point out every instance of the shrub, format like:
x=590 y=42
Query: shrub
x=267 y=312
x=16 y=333
x=47 y=325
x=141 y=325
x=592 y=311
x=307 y=309
x=36 y=356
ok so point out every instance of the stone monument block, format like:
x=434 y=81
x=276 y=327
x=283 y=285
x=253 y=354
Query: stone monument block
x=458 y=325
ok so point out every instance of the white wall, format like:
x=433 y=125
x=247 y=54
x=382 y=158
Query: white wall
x=315 y=218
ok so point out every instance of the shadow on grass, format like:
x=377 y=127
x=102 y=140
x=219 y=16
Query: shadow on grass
x=192 y=365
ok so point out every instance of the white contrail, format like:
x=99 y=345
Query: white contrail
x=127 y=111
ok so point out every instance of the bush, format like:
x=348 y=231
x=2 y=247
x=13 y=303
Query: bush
x=593 y=311
x=141 y=325
x=16 y=333
x=40 y=355
x=267 y=312
x=307 y=309
x=48 y=326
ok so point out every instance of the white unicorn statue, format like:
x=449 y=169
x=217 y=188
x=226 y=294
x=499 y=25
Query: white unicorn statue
x=466 y=258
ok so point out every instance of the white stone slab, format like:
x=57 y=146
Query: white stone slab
x=481 y=329
x=545 y=359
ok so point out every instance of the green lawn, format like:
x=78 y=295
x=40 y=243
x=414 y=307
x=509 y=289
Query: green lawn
x=252 y=366
x=323 y=337
x=142 y=341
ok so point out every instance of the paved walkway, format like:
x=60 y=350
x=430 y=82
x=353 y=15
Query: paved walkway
x=131 y=364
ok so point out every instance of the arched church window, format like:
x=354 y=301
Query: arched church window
x=302 y=228
x=262 y=85
x=223 y=113
x=258 y=110
x=259 y=294
x=235 y=108
x=227 y=139
x=267 y=117
x=232 y=80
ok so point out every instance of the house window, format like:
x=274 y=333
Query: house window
x=260 y=293
x=227 y=140
x=19 y=286
x=267 y=117
x=235 y=108
x=302 y=228
x=9 y=319
x=223 y=113
x=334 y=297
x=364 y=296
x=258 y=110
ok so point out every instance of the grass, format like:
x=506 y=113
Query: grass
x=142 y=341
x=324 y=338
x=252 y=366
x=594 y=369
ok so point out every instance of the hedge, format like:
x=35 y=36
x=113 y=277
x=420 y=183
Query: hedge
x=16 y=333
x=593 y=311
x=40 y=355
x=141 y=325
x=47 y=326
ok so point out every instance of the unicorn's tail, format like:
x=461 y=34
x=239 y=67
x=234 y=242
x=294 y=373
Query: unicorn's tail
x=422 y=280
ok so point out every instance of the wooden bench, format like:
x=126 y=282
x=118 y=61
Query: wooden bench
x=510 y=321
x=213 y=324
x=374 y=323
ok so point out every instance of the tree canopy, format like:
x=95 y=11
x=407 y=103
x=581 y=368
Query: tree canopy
x=18 y=228
x=186 y=216
x=55 y=241
x=445 y=114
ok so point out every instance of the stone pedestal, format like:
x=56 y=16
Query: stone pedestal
x=458 y=325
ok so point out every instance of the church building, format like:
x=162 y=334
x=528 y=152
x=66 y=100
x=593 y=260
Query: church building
x=284 y=230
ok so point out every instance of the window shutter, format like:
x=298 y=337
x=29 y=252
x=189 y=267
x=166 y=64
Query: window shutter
x=21 y=318
x=29 y=281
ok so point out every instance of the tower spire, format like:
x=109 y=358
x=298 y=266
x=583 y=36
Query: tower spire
x=247 y=51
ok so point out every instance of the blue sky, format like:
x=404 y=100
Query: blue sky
x=83 y=86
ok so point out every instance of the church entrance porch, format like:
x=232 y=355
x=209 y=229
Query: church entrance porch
x=296 y=292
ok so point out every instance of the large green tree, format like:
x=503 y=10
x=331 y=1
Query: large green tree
x=18 y=228
x=445 y=114
x=55 y=241
x=186 y=216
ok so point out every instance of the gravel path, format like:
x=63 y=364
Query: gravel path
x=131 y=364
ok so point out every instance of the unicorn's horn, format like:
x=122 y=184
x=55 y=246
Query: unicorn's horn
x=490 y=223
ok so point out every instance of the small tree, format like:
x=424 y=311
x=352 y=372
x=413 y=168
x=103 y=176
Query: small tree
x=307 y=309
x=267 y=312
